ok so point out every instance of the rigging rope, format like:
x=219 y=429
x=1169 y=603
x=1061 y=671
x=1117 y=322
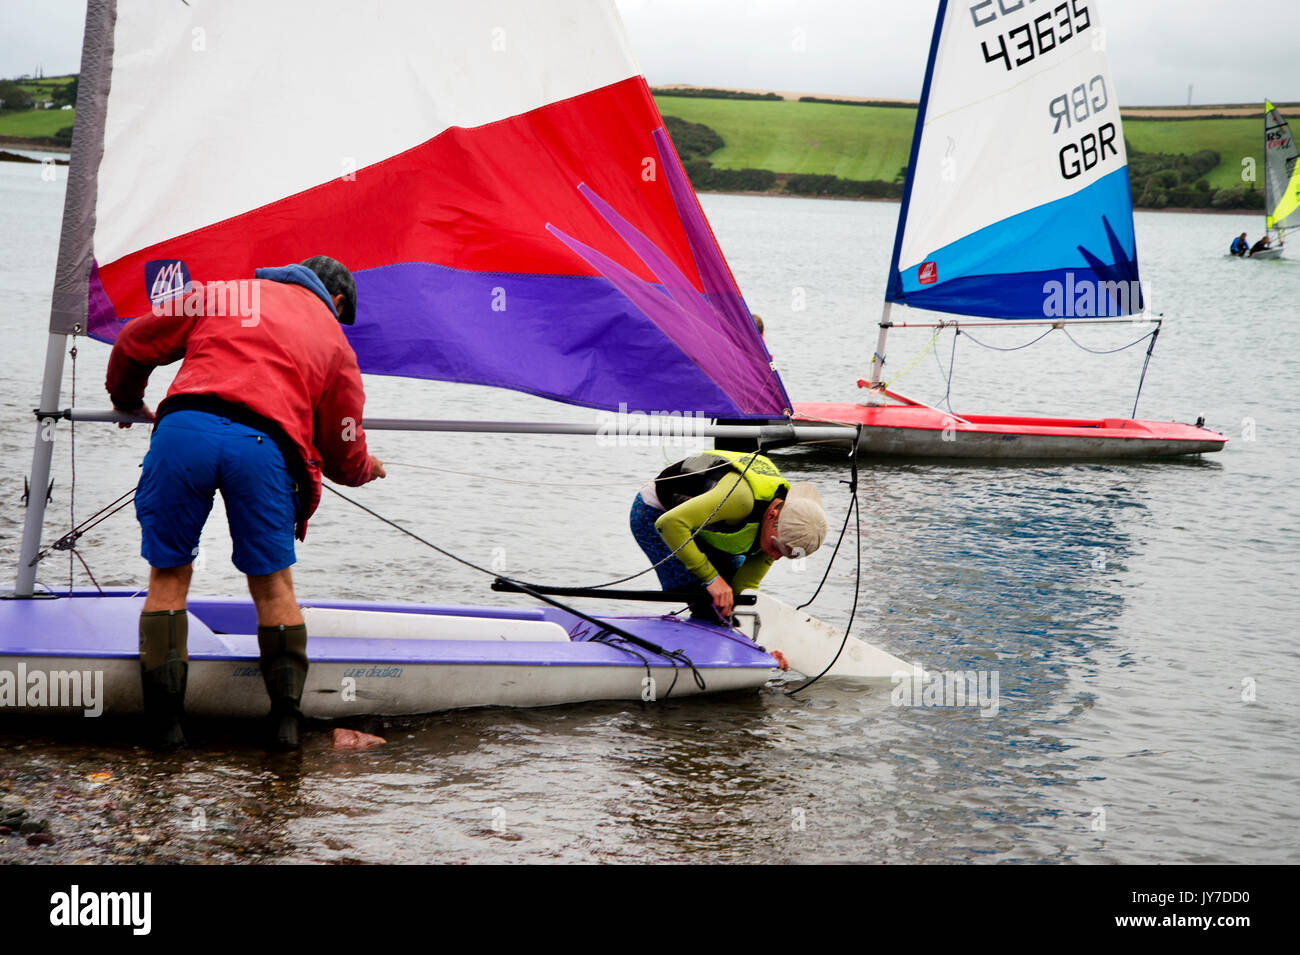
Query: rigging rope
x=1034 y=341
x=917 y=360
x=753 y=457
x=674 y=655
x=72 y=452
x=952 y=363
x=1111 y=351
x=857 y=577
x=1145 y=362
x=853 y=483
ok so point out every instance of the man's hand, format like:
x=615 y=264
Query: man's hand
x=377 y=468
x=723 y=597
x=141 y=414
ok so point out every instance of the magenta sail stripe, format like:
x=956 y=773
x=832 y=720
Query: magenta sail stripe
x=748 y=386
x=652 y=303
x=715 y=277
x=731 y=356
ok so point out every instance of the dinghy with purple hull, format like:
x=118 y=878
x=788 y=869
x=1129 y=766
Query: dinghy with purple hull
x=590 y=278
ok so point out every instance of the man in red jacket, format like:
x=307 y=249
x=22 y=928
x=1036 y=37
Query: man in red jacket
x=268 y=397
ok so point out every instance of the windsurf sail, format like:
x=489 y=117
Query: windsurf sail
x=495 y=174
x=1017 y=199
x=1281 y=174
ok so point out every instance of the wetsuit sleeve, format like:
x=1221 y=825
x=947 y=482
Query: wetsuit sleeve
x=336 y=426
x=677 y=526
x=142 y=345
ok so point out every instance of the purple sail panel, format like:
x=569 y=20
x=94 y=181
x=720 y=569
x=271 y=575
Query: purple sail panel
x=713 y=328
x=574 y=339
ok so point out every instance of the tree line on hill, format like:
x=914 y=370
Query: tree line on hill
x=1157 y=180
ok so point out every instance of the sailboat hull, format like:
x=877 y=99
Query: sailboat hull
x=81 y=652
x=921 y=431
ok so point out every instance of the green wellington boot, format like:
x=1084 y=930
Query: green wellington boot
x=284 y=670
x=164 y=671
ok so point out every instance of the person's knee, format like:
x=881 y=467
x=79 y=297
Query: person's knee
x=168 y=587
x=274 y=597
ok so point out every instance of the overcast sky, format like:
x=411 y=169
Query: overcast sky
x=873 y=48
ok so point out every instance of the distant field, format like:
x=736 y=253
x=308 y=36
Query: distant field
x=852 y=142
x=44 y=88
x=35 y=122
x=870 y=142
x=1232 y=139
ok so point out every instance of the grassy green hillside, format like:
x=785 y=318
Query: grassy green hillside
x=860 y=143
x=871 y=142
x=35 y=122
x=852 y=142
x=1232 y=139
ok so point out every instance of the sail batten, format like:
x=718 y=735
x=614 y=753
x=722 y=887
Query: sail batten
x=1018 y=182
x=427 y=146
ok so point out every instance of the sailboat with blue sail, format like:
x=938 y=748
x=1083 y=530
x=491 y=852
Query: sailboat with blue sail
x=1016 y=212
x=513 y=214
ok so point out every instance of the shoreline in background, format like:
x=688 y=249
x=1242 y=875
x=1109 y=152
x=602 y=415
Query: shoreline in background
x=1251 y=213
x=37 y=144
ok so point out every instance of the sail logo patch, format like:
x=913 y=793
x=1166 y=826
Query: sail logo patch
x=164 y=279
x=928 y=273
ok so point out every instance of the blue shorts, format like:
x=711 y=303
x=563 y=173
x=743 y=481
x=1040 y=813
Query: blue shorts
x=193 y=454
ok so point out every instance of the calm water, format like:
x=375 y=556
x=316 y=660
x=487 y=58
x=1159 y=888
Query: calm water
x=1127 y=609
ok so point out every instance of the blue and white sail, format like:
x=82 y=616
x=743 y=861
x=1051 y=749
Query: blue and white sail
x=1017 y=201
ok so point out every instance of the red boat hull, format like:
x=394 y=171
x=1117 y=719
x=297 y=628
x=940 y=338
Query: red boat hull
x=917 y=430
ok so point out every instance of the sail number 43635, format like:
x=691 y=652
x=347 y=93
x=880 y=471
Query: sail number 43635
x=1044 y=33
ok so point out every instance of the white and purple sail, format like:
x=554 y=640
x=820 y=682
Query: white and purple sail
x=495 y=174
x=1018 y=178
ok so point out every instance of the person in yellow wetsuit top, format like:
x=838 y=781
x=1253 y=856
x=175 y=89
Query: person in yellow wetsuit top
x=726 y=517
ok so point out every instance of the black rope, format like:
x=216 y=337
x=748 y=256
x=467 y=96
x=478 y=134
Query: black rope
x=1013 y=347
x=88 y=573
x=523 y=586
x=857 y=588
x=69 y=540
x=610 y=583
x=952 y=363
x=1111 y=351
x=1145 y=362
x=72 y=452
x=853 y=487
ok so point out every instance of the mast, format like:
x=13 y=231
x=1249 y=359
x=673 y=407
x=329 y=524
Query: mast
x=68 y=306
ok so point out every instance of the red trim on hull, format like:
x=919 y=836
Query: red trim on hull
x=922 y=421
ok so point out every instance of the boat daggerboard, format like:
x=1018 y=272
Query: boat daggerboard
x=1017 y=200
x=1281 y=173
x=495 y=174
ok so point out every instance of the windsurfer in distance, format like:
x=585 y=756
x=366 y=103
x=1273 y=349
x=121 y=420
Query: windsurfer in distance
x=1239 y=245
x=726 y=516
x=261 y=407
